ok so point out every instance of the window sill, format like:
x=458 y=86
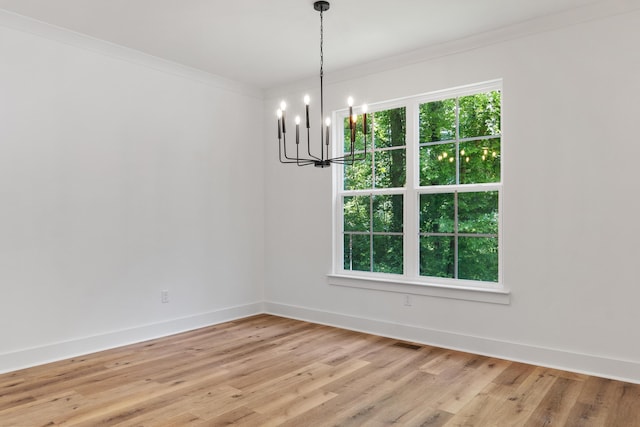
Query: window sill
x=493 y=295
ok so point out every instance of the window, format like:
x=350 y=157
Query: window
x=374 y=194
x=424 y=207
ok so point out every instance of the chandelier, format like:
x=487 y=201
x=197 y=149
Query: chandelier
x=320 y=157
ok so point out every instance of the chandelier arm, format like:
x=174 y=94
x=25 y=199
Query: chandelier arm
x=364 y=152
x=349 y=159
x=345 y=159
x=353 y=147
x=289 y=159
x=280 y=152
x=326 y=146
x=284 y=145
x=338 y=161
x=353 y=156
x=309 y=146
x=296 y=159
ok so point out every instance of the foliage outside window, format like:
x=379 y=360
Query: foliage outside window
x=424 y=204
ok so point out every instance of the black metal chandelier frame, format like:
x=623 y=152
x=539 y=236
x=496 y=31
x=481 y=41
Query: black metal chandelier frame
x=322 y=160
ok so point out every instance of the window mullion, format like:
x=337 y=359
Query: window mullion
x=371 y=232
x=457 y=140
x=455 y=235
x=455 y=195
x=411 y=205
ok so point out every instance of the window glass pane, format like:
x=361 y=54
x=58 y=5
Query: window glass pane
x=356 y=213
x=390 y=169
x=390 y=127
x=438 y=164
x=480 y=114
x=458 y=142
x=478 y=212
x=346 y=244
x=357 y=252
x=387 y=213
x=480 y=161
x=438 y=121
x=478 y=258
x=358 y=176
x=359 y=144
x=387 y=254
x=437 y=256
x=437 y=212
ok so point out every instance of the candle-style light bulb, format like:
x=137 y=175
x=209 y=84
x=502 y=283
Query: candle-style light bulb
x=297 y=129
x=283 y=107
x=354 y=119
x=350 y=104
x=306 y=109
x=279 y=116
x=365 y=108
x=327 y=123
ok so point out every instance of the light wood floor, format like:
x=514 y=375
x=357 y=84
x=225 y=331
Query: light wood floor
x=266 y=371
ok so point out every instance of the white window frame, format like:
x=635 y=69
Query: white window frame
x=410 y=282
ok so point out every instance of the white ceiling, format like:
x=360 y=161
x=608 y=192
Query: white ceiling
x=265 y=43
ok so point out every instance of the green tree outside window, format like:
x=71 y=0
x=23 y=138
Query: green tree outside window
x=456 y=185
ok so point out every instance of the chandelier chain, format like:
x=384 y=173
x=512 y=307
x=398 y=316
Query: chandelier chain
x=321 y=45
x=322 y=134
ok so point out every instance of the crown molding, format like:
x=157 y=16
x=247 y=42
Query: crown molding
x=25 y=24
x=599 y=10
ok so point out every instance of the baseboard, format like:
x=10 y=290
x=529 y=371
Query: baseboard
x=63 y=350
x=622 y=370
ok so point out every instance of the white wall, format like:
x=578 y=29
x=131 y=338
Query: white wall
x=571 y=209
x=115 y=184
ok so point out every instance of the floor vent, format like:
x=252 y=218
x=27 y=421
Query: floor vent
x=407 y=345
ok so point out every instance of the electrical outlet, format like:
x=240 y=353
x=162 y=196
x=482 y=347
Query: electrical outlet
x=407 y=301
x=164 y=296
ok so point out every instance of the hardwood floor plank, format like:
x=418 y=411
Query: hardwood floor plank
x=624 y=407
x=594 y=402
x=404 y=404
x=43 y=410
x=521 y=404
x=554 y=409
x=210 y=403
x=184 y=419
x=240 y=416
x=459 y=390
x=291 y=405
x=266 y=370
